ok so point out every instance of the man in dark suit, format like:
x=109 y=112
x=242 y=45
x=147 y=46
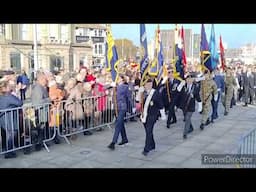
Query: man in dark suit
x=122 y=99
x=219 y=80
x=173 y=83
x=152 y=105
x=189 y=94
x=248 y=85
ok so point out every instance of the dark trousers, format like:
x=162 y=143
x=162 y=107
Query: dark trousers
x=149 y=143
x=23 y=94
x=171 y=114
x=240 y=94
x=119 y=127
x=215 y=106
x=248 y=94
x=188 y=124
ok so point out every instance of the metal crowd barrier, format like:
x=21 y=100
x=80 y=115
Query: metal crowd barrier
x=24 y=127
x=83 y=115
x=247 y=146
x=33 y=125
x=131 y=106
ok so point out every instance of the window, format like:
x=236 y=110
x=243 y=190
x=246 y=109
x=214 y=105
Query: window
x=100 y=49
x=2 y=29
x=64 y=32
x=100 y=33
x=24 y=32
x=53 y=31
x=86 y=32
x=82 y=32
x=79 y=32
x=15 y=61
x=95 y=49
x=95 y=32
x=56 y=63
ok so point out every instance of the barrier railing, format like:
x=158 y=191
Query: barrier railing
x=132 y=110
x=35 y=125
x=84 y=115
x=247 y=146
x=24 y=127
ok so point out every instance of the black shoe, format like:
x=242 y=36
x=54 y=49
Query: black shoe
x=144 y=153
x=133 y=120
x=207 y=122
x=27 y=151
x=10 y=155
x=38 y=147
x=212 y=121
x=87 y=133
x=123 y=142
x=99 y=129
x=184 y=136
x=191 y=130
x=168 y=126
x=225 y=113
x=245 y=105
x=57 y=141
x=153 y=148
x=111 y=146
x=202 y=126
x=174 y=121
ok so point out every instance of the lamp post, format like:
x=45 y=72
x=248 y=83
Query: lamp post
x=35 y=49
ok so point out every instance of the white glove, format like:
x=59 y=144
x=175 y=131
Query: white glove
x=241 y=88
x=254 y=87
x=164 y=80
x=143 y=119
x=216 y=97
x=113 y=84
x=136 y=87
x=182 y=83
x=218 y=89
x=163 y=116
x=200 y=107
x=133 y=110
x=200 y=78
x=141 y=89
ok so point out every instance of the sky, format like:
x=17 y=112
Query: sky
x=233 y=35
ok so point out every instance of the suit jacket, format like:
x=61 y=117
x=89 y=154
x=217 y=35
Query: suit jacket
x=154 y=107
x=247 y=82
x=193 y=94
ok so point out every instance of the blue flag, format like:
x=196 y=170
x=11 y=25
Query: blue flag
x=160 y=59
x=111 y=55
x=213 y=49
x=204 y=44
x=205 y=53
x=144 y=48
x=179 y=67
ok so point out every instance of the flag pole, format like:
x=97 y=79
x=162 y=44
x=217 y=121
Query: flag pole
x=115 y=88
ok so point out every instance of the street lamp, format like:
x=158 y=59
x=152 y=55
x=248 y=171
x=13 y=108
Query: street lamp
x=35 y=49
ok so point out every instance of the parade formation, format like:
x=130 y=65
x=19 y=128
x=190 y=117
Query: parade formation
x=64 y=104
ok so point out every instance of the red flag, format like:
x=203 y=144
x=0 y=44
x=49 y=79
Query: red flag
x=223 y=64
x=183 y=48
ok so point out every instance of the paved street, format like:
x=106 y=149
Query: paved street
x=171 y=150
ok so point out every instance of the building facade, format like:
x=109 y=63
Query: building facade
x=168 y=42
x=59 y=46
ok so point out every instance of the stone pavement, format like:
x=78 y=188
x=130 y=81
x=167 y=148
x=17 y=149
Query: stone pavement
x=171 y=150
